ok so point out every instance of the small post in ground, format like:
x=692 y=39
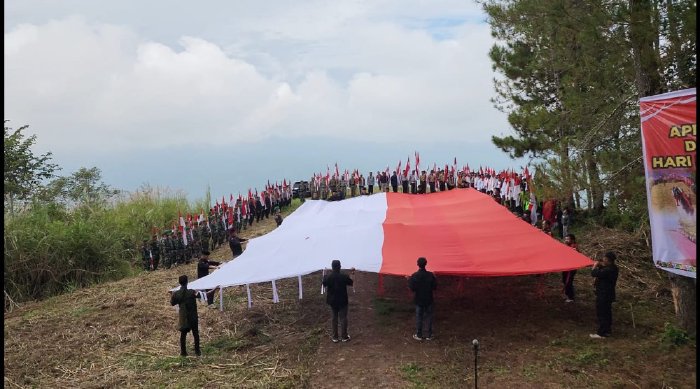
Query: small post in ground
x=475 y=343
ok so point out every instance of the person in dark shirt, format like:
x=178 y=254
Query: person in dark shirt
x=567 y=277
x=423 y=283
x=186 y=299
x=278 y=218
x=203 y=267
x=605 y=273
x=234 y=242
x=336 y=284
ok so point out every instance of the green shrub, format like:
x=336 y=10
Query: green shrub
x=674 y=336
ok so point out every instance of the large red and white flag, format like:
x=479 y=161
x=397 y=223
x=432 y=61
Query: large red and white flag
x=461 y=232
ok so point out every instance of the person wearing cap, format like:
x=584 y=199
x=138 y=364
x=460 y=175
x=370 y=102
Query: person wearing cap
x=423 y=283
x=186 y=300
x=203 y=267
x=336 y=284
x=605 y=273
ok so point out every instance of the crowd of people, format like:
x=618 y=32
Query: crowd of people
x=190 y=235
x=510 y=189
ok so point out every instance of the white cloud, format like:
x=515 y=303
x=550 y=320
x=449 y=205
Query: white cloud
x=349 y=71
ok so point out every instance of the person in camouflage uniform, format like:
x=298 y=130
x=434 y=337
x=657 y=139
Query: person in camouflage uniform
x=146 y=254
x=197 y=240
x=168 y=249
x=221 y=231
x=180 y=248
x=155 y=251
x=206 y=235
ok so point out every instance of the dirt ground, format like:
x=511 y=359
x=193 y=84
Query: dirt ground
x=123 y=334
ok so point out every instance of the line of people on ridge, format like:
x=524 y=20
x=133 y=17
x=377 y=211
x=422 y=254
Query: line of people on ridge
x=195 y=233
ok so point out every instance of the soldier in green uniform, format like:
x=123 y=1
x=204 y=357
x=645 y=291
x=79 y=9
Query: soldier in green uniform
x=168 y=250
x=197 y=241
x=146 y=254
x=155 y=251
x=180 y=248
x=206 y=235
x=221 y=232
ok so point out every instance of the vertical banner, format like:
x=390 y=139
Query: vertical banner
x=668 y=145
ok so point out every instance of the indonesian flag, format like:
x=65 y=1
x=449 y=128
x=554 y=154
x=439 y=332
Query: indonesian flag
x=454 y=167
x=408 y=167
x=460 y=232
x=230 y=217
x=526 y=174
x=182 y=227
x=417 y=162
x=398 y=168
x=337 y=174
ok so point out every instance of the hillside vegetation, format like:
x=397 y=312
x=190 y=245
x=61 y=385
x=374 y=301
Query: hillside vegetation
x=123 y=333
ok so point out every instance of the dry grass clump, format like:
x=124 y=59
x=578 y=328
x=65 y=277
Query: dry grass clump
x=638 y=275
x=124 y=333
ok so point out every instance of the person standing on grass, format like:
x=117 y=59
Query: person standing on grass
x=423 y=283
x=203 y=267
x=234 y=243
x=336 y=284
x=567 y=277
x=186 y=300
x=605 y=273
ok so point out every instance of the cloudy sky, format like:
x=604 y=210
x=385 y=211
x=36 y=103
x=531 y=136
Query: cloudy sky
x=228 y=94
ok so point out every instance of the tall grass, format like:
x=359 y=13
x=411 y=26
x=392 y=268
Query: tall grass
x=50 y=249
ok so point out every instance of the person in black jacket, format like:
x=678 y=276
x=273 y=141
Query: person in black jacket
x=567 y=277
x=394 y=182
x=605 y=273
x=423 y=283
x=234 y=243
x=186 y=299
x=203 y=267
x=336 y=284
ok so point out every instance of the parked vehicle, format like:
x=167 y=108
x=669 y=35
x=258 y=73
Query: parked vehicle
x=300 y=189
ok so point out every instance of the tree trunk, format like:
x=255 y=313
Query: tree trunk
x=642 y=37
x=683 y=290
x=594 y=179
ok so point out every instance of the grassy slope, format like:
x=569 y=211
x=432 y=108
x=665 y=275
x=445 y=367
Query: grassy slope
x=124 y=333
